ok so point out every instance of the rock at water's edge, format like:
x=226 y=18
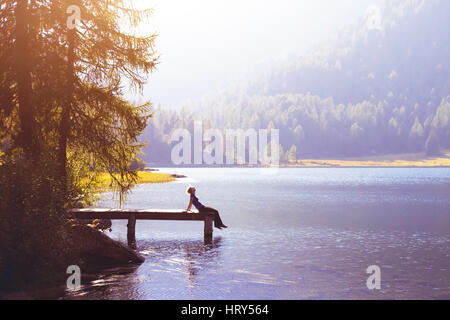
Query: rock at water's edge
x=94 y=243
x=178 y=176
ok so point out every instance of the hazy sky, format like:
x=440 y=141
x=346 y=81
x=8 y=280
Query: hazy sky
x=206 y=44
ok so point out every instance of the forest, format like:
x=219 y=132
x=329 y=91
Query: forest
x=64 y=123
x=377 y=88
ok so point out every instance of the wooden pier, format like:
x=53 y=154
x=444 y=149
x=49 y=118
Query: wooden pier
x=147 y=214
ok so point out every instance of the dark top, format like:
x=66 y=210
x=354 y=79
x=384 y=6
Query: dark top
x=196 y=203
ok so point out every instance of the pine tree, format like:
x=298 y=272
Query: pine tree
x=63 y=118
x=292 y=154
x=432 y=147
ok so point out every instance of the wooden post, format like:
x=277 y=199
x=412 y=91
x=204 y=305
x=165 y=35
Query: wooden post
x=208 y=231
x=131 y=232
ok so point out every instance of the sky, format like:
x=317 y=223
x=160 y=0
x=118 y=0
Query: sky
x=206 y=45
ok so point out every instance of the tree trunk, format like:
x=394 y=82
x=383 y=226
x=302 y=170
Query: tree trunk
x=28 y=133
x=67 y=109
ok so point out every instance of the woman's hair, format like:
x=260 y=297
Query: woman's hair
x=189 y=189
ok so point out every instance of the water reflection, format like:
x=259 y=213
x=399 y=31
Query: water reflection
x=97 y=285
x=195 y=254
x=168 y=264
x=131 y=240
x=303 y=234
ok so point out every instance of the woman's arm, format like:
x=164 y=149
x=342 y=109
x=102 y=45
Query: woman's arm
x=190 y=205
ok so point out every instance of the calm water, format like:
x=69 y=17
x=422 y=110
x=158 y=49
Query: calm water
x=299 y=234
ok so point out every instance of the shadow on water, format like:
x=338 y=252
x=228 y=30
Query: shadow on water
x=165 y=261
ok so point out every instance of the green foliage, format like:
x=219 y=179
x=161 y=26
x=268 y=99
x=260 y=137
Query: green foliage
x=61 y=98
x=137 y=165
x=34 y=248
x=316 y=127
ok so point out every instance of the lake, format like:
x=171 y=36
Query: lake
x=296 y=233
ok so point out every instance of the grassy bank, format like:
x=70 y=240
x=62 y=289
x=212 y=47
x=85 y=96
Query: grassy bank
x=104 y=181
x=397 y=160
x=154 y=177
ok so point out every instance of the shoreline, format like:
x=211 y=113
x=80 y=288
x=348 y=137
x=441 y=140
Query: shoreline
x=312 y=166
x=406 y=160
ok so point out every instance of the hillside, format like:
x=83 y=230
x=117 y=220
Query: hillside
x=381 y=87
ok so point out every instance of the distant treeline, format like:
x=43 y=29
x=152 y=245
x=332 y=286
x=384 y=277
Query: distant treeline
x=377 y=89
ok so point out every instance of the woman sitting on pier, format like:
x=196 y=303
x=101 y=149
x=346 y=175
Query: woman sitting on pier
x=201 y=208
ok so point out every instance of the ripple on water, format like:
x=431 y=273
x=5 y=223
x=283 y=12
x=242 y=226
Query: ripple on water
x=302 y=235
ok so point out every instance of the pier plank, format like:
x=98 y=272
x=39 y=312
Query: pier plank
x=132 y=215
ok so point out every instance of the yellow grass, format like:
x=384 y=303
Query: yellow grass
x=104 y=180
x=403 y=160
x=154 y=177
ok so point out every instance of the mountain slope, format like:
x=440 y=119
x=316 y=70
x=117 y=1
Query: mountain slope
x=382 y=86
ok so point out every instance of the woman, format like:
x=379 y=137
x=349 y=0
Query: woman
x=201 y=208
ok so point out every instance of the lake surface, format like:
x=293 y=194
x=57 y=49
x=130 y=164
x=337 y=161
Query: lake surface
x=293 y=234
